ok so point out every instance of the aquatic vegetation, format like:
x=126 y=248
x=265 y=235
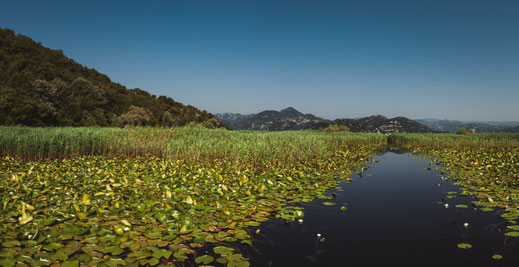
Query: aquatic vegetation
x=257 y=149
x=114 y=210
x=448 y=140
x=464 y=245
x=486 y=166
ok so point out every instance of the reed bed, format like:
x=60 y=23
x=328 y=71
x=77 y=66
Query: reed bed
x=190 y=144
x=435 y=140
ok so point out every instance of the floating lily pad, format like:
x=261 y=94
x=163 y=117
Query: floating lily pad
x=205 y=259
x=464 y=245
x=512 y=234
x=329 y=203
x=223 y=250
x=160 y=253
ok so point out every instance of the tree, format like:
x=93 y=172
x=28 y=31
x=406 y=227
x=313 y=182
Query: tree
x=136 y=116
x=462 y=131
x=167 y=120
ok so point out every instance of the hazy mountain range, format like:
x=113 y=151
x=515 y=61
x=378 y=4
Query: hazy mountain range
x=291 y=119
x=271 y=120
x=453 y=125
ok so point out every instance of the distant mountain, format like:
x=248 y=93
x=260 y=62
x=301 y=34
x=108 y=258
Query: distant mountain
x=480 y=127
x=381 y=124
x=234 y=120
x=291 y=119
x=42 y=87
x=271 y=120
x=511 y=129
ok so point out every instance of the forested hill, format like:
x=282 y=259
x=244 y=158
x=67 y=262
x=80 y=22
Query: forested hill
x=42 y=87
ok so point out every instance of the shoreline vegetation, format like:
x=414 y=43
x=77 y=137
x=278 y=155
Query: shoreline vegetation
x=146 y=196
x=150 y=196
x=189 y=144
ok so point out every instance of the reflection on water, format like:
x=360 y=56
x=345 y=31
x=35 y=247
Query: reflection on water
x=394 y=218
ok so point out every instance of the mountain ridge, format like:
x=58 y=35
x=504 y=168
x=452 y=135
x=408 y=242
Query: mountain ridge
x=479 y=126
x=291 y=119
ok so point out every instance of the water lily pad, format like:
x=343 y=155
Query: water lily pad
x=139 y=254
x=7 y=262
x=464 y=245
x=11 y=243
x=223 y=250
x=160 y=253
x=497 y=257
x=152 y=262
x=114 y=250
x=59 y=255
x=461 y=206
x=114 y=262
x=205 y=259
x=512 y=234
x=153 y=235
x=70 y=263
x=329 y=203
x=180 y=255
x=251 y=223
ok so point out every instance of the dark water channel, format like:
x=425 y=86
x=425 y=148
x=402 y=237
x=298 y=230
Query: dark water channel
x=394 y=219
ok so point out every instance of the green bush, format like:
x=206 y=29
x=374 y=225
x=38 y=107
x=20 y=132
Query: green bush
x=462 y=131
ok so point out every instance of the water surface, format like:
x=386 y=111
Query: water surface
x=394 y=219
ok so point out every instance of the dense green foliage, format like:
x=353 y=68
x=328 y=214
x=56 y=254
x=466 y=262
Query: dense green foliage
x=211 y=184
x=186 y=143
x=40 y=86
x=485 y=165
x=480 y=140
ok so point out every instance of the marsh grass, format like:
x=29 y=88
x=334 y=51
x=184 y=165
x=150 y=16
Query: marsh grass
x=190 y=144
x=435 y=140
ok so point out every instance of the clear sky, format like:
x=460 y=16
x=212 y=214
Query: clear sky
x=420 y=59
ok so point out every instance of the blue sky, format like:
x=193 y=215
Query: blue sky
x=335 y=59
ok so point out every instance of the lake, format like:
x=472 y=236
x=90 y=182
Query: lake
x=395 y=217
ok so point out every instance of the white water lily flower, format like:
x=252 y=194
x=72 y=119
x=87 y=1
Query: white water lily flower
x=466 y=225
x=446 y=205
x=300 y=221
x=318 y=235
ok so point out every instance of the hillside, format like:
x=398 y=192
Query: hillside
x=291 y=119
x=480 y=127
x=271 y=120
x=381 y=124
x=234 y=120
x=42 y=87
